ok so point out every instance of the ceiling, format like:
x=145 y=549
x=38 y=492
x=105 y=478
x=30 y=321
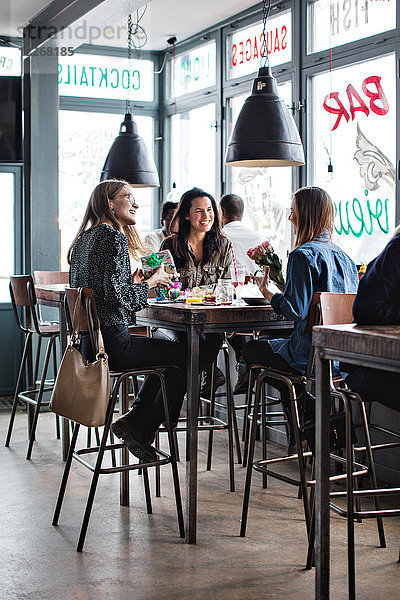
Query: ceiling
x=162 y=19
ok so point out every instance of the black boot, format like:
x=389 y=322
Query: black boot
x=243 y=377
x=138 y=443
x=205 y=389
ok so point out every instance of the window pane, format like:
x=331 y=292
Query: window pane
x=84 y=142
x=7 y=186
x=110 y=77
x=192 y=71
x=266 y=192
x=10 y=61
x=193 y=149
x=330 y=24
x=354 y=124
x=245 y=47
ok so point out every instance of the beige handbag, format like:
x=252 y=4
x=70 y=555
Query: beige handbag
x=82 y=389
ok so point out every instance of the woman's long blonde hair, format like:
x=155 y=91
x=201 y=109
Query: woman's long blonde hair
x=314 y=214
x=98 y=211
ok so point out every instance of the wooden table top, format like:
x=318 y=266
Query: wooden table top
x=381 y=341
x=180 y=312
x=51 y=292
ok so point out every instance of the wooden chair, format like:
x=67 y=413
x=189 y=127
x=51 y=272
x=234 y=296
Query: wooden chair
x=23 y=296
x=337 y=309
x=88 y=320
x=47 y=277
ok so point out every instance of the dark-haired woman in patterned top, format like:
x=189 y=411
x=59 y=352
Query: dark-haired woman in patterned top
x=100 y=258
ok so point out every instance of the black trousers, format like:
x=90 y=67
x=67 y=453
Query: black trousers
x=260 y=352
x=209 y=343
x=374 y=385
x=126 y=351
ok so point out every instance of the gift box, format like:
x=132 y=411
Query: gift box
x=151 y=262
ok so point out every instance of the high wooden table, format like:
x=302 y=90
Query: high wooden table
x=197 y=319
x=377 y=347
x=53 y=295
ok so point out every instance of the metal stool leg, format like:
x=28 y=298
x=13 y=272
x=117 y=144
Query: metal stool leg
x=95 y=477
x=147 y=493
x=67 y=469
x=27 y=347
x=39 y=398
x=174 y=467
x=372 y=472
x=230 y=400
x=252 y=442
x=211 y=411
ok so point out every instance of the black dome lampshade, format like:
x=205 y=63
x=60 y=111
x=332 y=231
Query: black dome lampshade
x=265 y=134
x=129 y=158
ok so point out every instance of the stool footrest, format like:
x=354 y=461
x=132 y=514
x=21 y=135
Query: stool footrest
x=77 y=455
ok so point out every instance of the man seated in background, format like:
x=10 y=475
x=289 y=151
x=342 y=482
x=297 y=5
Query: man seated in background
x=154 y=239
x=242 y=238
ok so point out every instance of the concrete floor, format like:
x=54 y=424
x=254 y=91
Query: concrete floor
x=131 y=555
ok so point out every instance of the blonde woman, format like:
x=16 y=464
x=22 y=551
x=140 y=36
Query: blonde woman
x=315 y=264
x=100 y=258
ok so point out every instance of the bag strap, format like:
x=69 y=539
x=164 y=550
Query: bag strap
x=75 y=326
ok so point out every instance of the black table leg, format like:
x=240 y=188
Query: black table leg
x=322 y=478
x=192 y=434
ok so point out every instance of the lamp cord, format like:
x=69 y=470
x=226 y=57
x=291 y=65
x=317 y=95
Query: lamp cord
x=266 y=11
x=129 y=46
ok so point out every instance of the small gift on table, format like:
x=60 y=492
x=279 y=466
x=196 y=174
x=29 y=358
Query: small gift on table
x=152 y=261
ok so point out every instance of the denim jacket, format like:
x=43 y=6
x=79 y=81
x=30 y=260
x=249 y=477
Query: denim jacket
x=317 y=266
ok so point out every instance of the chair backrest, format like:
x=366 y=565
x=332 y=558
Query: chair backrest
x=22 y=292
x=47 y=277
x=336 y=309
x=19 y=289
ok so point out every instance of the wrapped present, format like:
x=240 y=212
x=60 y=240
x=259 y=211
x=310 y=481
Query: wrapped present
x=151 y=262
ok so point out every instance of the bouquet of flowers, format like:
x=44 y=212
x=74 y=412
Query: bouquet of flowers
x=265 y=256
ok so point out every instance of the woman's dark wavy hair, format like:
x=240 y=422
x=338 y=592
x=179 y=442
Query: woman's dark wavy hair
x=214 y=239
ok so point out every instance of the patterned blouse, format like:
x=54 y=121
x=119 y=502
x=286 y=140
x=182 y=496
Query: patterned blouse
x=100 y=261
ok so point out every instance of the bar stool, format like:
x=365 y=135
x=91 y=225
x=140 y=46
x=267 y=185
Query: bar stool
x=88 y=323
x=22 y=293
x=337 y=309
x=208 y=421
x=264 y=466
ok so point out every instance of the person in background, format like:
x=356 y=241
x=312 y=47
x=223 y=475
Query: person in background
x=242 y=238
x=378 y=303
x=315 y=264
x=202 y=255
x=100 y=260
x=154 y=239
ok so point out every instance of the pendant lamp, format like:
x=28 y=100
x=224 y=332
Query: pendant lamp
x=128 y=157
x=265 y=134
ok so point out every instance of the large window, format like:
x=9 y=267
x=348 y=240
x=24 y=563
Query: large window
x=109 y=77
x=266 y=191
x=353 y=127
x=331 y=23
x=245 y=47
x=84 y=141
x=193 y=155
x=7 y=248
x=192 y=71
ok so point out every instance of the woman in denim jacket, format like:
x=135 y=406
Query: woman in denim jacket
x=315 y=264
